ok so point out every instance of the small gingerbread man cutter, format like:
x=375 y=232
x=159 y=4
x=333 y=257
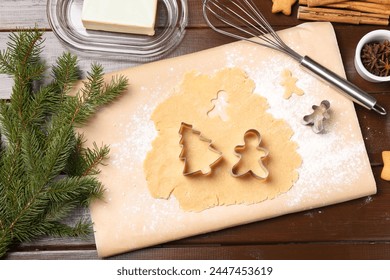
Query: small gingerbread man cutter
x=317 y=118
x=250 y=157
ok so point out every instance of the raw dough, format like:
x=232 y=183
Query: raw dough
x=289 y=83
x=246 y=110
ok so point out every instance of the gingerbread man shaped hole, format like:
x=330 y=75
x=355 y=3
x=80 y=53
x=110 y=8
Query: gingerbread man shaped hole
x=220 y=103
x=251 y=156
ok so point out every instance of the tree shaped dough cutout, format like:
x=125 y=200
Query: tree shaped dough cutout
x=251 y=156
x=198 y=153
x=219 y=106
x=289 y=83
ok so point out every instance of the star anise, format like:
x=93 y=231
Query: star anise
x=376 y=58
x=384 y=67
x=369 y=56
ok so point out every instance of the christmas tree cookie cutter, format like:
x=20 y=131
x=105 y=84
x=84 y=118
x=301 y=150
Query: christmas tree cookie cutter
x=252 y=142
x=207 y=168
x=319 y=115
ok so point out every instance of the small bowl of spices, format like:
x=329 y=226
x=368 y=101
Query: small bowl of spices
x=372 y=56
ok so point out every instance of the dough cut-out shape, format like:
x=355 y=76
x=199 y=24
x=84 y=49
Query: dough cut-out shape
x=219 y=106
x=198 y=152
x=283 y=6
x=289 y=83
x=319 y=115
x=385 y=174
x=251 y=156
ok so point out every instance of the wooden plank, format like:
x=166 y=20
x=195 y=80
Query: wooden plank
x=34 y=12
x=308 y=251
x=22 y=14
x=375 y=129
x=5 y=86
x=53 y=255
x=269 y=252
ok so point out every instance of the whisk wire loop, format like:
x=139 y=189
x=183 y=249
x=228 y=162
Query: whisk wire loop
x=247 y=22
x=266 y=25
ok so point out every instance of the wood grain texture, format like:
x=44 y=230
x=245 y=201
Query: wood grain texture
x=34 y=12
x=299 y=251
x=22 y=14
x=359 y=229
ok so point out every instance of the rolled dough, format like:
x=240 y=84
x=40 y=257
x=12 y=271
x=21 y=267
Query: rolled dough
x=246 y=110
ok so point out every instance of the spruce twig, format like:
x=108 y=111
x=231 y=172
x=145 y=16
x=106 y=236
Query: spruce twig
x=45 y=170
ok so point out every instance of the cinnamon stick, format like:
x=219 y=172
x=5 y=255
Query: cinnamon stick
x=362 y=6
x=341 y=16
x=386 y=2
x=315 y=3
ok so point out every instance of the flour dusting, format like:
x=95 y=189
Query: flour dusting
x=138 y=130
x=327 y=161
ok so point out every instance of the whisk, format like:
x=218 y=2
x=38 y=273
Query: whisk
x=249 y=24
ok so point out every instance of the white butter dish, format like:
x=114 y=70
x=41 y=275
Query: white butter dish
x=65 y=19
x=127 y=16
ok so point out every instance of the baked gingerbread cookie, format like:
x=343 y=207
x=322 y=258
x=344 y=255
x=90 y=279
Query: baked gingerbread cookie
x=283 y=6
x=385 y=175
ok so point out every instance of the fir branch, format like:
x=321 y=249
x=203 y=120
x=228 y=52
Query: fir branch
x=75 y=189
x=25 y=48
x=6 y=65
x=38 y=187
x=93 y=158
x=86 y=161
x=42 y=105
x=65 y=73
x=94 y=94
x=80 y=229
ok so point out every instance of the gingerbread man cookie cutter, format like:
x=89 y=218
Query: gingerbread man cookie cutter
x=258 y=170
x=207 y=170
x=319 y=115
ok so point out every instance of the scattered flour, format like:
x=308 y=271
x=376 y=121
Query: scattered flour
x=138 y=131
x=327 y=161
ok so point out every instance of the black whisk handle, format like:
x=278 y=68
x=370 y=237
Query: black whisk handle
x=350 y=90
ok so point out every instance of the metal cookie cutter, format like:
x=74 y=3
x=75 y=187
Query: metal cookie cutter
x=259 y=171
x=187 y=128
x=316 y=119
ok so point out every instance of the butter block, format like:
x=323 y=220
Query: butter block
x=126 y=16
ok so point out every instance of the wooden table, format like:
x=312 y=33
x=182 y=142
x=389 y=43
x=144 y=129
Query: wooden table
x=358 y=229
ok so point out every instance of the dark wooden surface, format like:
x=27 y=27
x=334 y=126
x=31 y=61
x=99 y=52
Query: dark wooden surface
x=358 y=229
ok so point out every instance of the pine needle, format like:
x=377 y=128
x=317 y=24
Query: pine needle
x=45 y=170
